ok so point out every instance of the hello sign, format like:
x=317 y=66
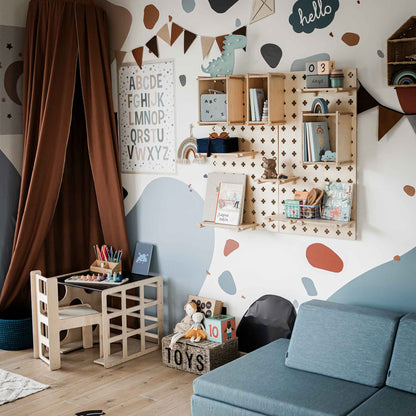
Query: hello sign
x=308 y=15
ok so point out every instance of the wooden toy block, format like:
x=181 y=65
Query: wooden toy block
x=220 y=328
x=311 y=68
x=208 y=306
x=325 y=67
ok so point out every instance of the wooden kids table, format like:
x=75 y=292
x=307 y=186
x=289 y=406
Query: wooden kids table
x=132 y=315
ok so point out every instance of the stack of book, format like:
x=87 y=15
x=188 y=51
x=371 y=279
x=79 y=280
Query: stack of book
x=256 y=103
x=224 y=198
x=315 y=140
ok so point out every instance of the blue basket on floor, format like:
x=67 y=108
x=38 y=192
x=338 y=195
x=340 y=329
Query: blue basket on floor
x=16 y=334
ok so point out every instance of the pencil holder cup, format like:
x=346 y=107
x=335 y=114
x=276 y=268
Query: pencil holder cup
x=104 y=267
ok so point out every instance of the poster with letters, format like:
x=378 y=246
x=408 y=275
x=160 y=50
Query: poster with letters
x=147 y=118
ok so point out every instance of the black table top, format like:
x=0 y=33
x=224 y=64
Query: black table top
x=133 y=277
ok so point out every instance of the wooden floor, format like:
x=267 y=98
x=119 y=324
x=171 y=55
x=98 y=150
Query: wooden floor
x=143 y=386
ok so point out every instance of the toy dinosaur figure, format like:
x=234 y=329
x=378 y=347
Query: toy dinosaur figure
x=224 y=64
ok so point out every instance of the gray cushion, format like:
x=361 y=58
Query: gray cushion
x=260 y=382
x=206 y=407
x=388 y=402
x=349 y=342
x=402 y=374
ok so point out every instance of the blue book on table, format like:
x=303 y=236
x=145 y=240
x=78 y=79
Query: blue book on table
x=142 y=258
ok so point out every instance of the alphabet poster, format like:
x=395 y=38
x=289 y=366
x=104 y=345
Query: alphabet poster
x=147 y=118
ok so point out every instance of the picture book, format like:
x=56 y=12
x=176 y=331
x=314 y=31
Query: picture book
x=142 y=258
x=319 y=139
x=213 y=186
x=258 y=106
x=337 y=201
x=230 y=204
x=305 y=143
x=252 y=104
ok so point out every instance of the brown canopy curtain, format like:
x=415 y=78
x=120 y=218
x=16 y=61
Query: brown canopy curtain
x=71 y=193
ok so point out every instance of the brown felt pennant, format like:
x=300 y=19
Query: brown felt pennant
x=176 y=31
x=120 y=57
x=365 y=100
x=188 y=39
x=152 y=45
x=164 y=33
x=241 y=31
x=138 y=55
x=206 y=45
x=387 y=119
x=220 y=42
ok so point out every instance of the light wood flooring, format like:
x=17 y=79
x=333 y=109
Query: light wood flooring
x=141 y=387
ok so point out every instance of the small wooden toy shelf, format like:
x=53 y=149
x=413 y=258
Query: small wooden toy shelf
x=316 y=91
x=241 y=227
x=251 y=154
x=279 y=181
x=306 y=221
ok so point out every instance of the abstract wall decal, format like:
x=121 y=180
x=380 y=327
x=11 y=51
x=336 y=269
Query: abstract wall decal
x=409 y=189
x=138 y=56
x=308 y=15
x=182 y=255
x=300 y=64
x=119 y=23
x=350 y=39
x=175 y=32
x=221 y=6
x=10 y=186
x=150 y=16
x=153 y=46
x=237 y=22
x=322 y=257
x=396 y=258
x=390 y=285
x=188 y=40
x=182 y=80
x=230 y=246
x=147 y=126
x=206 y=45
x=11 y=79
x=227 y=284
x=272 y=54
x=163 y=33
x=261 y=9
x=380 y=53
x=407 y=99
x=188 y=5
x=309 y=286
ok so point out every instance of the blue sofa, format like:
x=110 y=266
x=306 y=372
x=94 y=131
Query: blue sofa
x=341 y=360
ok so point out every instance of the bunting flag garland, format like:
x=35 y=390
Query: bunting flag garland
x=220 y=42
x=120 y=57
x=176 y=31
x=241 y=31
x=152 y=45
x=365 y=100
x=138 y=55
x=164 y=33
x=387 y=119
x=206 y=45
x=188 y=39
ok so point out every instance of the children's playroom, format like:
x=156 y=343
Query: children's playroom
x=207 y=207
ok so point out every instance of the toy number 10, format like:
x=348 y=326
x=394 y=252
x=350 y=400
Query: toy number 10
x=213 y=331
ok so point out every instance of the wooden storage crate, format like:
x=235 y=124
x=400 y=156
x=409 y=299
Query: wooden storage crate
x=108 y=267
x=198 y=357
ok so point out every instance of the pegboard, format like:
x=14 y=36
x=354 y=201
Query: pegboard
x=285 y=142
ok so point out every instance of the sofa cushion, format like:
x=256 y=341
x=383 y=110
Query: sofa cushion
x=388 y=402
x=402 y=372
x=260 y=382
x=201 y=406
x=349 y=342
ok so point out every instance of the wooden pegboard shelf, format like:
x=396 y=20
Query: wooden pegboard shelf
x=241 y=227
x=341 y=113
x=251 y=154
x=306 y=221
x=316 y=91
x=279 y=181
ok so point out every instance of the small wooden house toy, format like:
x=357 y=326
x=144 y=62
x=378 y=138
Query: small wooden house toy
x=220 y=328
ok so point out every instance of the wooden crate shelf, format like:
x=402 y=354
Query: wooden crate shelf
x=279 y=181
x=241 y=227
x=306 y=221
x=251 y=154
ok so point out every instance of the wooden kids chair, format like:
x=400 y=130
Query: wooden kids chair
x=49 y=319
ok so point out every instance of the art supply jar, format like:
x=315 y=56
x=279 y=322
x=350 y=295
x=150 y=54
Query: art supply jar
x=337 y=78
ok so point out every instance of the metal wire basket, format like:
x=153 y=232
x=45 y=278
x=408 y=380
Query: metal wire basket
x=296 y=210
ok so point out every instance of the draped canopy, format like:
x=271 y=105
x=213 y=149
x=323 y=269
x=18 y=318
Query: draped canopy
x=71 y=193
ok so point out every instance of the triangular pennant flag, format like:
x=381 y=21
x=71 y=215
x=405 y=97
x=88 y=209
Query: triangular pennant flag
x=365 y=100
x=387 y=118
x=220 y=42
x=188 y=39
x=241 y=31
x=175 y=33
x=152 y=45
x=164 y=33
x=206 y=44
x=120 y=57
x=138 y=55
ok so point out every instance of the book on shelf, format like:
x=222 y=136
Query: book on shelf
x=305 y=143
x=317 y=132
x=230 y=204
x=213 y=186
x=337 y=201
x=258 y=106
x=252 y=103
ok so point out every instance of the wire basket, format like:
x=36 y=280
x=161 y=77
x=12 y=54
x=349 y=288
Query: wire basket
x=296 y=210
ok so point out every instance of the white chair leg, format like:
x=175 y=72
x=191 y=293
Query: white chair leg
x=87 y=341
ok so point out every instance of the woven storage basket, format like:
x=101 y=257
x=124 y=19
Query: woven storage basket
x=16 y=334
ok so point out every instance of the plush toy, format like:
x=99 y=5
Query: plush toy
x=269 y=166
x=197 y=331
x=183 y=326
